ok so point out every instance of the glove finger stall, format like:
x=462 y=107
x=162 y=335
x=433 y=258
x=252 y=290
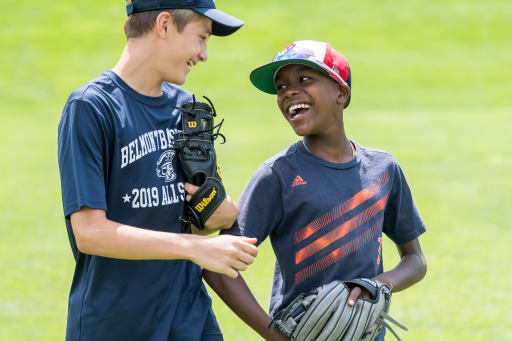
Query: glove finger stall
x=319 y=312
x=339 y=321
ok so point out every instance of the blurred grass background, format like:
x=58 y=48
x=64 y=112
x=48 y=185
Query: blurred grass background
x=431 y=84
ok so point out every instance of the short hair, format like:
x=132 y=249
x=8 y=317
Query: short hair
x=140 y=23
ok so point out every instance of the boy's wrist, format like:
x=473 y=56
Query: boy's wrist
x=385 y=281
x=189 y=244
x=224 y=217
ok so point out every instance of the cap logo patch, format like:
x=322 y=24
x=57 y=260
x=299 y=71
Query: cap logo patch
x=294 y=52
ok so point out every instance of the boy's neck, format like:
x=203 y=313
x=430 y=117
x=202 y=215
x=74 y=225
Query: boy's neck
x=337 y=149
x=136 y=67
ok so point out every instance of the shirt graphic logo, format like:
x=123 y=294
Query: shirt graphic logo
x=164 y=167
x=298 y=181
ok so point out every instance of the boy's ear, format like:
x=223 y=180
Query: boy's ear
x=163 y=24
x=343 y=94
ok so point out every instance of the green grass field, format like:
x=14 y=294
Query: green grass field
x=431 y=84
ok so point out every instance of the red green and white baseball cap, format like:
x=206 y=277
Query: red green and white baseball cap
x=318 y=55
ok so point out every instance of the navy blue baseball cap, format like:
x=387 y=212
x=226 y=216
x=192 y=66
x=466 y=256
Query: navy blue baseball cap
x=223 y=24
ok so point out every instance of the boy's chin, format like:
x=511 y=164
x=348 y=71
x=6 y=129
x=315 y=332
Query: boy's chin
x=299 y=132
x=178 y=80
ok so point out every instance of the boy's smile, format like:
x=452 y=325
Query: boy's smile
x=296 y=110
x=308 y=99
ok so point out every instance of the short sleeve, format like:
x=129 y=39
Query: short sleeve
x=402 y=221
x=82 y=150
x=260 y=206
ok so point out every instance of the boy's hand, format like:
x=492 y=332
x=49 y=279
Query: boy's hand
x=222 y=218
x=357 y=292
x=225 y=254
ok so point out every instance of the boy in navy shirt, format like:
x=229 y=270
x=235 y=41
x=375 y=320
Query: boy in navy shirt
x=136 y=276
x=325 y=201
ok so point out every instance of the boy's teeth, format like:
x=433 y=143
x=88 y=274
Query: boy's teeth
x=293 y=108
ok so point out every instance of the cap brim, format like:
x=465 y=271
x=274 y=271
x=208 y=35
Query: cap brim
x=263 y=77
x=223 y=24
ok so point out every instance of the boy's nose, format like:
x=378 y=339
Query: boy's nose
x=203 y=55
x=291 y=91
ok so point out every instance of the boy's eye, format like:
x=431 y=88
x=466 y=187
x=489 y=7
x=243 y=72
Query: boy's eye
x=280 y=86
x=304 y=78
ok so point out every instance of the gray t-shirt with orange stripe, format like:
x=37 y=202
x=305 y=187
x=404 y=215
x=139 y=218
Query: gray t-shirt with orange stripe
x=325 y=220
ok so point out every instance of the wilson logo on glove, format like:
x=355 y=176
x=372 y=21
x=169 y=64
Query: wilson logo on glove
x=202 y=205
x=192 y=124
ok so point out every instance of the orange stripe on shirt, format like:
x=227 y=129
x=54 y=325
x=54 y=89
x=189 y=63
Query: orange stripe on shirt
x=341 y=231
x=341 y=252
x=344 y=207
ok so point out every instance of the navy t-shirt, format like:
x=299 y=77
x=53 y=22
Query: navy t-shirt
x=325 y=220
x=116 y=153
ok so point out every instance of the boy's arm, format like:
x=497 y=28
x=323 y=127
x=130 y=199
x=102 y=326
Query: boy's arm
x=411 y=269
x=237 y=295
x=97 y=235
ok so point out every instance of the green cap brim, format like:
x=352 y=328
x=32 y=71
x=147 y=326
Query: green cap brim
x=263 y=77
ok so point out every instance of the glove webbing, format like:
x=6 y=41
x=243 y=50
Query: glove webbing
x=383 y=316
x=289 y=325
x=214 y=135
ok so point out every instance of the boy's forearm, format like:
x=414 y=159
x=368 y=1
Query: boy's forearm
x=409 y=271
x=237 y=295
x=102 y=237
x=96 y=235
x=224 y=216
x=411 y=268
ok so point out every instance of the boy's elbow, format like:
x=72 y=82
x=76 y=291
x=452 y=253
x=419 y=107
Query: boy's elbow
x=422 y=267
x=87 y=225
x=86 y=232
x=84 y=241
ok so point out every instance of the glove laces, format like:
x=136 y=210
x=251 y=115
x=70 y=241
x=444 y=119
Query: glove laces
x=215 y=134
x=383 y=316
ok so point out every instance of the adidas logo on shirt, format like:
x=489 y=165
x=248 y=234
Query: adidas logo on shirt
x=298 y=181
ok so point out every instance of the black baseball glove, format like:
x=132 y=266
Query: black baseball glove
x=197 y=159
x=324 y=315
